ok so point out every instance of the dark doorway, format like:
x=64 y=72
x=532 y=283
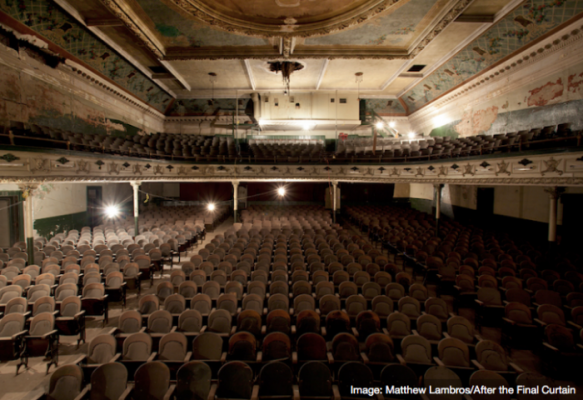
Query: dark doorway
x=485 y=204
x=570 y=231
x=94 y=205
x=9 y=221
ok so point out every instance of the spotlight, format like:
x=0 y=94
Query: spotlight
x=411 y=135
x=211 y=207
x=281 y=191
x=112 y=211
x=261 y=122
x=307 y=126
x=392 y=124
x=380 y=125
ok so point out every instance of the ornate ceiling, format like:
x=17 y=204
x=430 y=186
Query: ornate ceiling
x=164 y=49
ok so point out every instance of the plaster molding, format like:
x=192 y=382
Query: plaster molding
x=122 y=12
x=288 y=27
x=566 y=37
x=559 y=169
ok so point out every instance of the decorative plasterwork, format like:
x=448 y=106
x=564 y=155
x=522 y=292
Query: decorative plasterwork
x=116 y=10
x=505 y=73
x=287 y=27
x=559 y=169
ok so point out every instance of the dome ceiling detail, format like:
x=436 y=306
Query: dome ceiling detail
x=276 y=18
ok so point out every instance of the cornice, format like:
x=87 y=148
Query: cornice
x=531 y=54
x=568 y=37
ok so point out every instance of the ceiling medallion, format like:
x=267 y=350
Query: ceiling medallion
x=287 y=18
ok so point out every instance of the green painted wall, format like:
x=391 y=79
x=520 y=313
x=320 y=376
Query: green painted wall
x=48 y=227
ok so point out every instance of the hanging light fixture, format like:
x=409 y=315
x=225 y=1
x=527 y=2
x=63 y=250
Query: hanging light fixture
x=212 y=79
x=358 y=79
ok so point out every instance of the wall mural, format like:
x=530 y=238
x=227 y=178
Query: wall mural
x=51 y=22
x=525 y=24
x=203 y=107
x=27 y=99
x=385 y=107
x=550 y=101
x=186 y=31
x=395 y=29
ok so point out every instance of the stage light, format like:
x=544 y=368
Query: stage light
x=392 y=124
x=211 y=207
x=380 y=125
x=261 y=122
x=281 y=191
x=411 y=135
x=112 y=211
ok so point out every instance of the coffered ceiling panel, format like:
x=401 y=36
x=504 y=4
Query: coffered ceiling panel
x=231 y=74
x=340 y=73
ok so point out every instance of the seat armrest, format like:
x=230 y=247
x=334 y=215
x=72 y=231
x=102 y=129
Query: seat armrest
x=330 y=358
x=113 y=332
x=259 y=356
x=336 y=393
x=296 y=392
x=79 y=314
x=580 y=346
x=203 y=329
x=152 y=357
x=481 y=303
x=294 y=357
x=116 y=357
x=19 y=334
x=452 y=314
x=364 y=358
x=293 y=329
x=173 y=329
x=78 y=361
x=46 y=335
x=323 y=330
x=438 y=362
x=574 y=325
x=255 y=392
x=291 y=311
x=169 y=392
x=385 y=331
x=538 y=321
x=126 y=393
x=83 y=393
x=188 y=356
x=233 y=330
x=511 y=322
x=446 y=335
x=212 y=392
x=478 y=365
x=548 y=346
x=516 y=368
x=354 y=332
x=414 y=331
x=401 y=359
x=224 y=357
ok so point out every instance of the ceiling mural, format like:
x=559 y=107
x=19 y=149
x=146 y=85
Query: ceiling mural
x=49 y=21
x=396 y=29
x=179 y=29
x=385 y=107
x=520 y=27
x=207 y=107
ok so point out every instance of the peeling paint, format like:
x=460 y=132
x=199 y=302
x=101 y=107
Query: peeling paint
x=542 y=95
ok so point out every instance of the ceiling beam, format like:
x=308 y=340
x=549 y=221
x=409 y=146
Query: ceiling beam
x=250 y=74
x=162 y=75
x=103 y=22
x=322 y=73
x=65 y=5
x=508 y=8
x=178 y=77
x=476 y=19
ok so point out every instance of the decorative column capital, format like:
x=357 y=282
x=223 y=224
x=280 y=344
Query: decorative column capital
x=28 y=188
x=438 y=186
x=555 y=192
x=235 y=183
x=335 y=183
x=136 y=184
